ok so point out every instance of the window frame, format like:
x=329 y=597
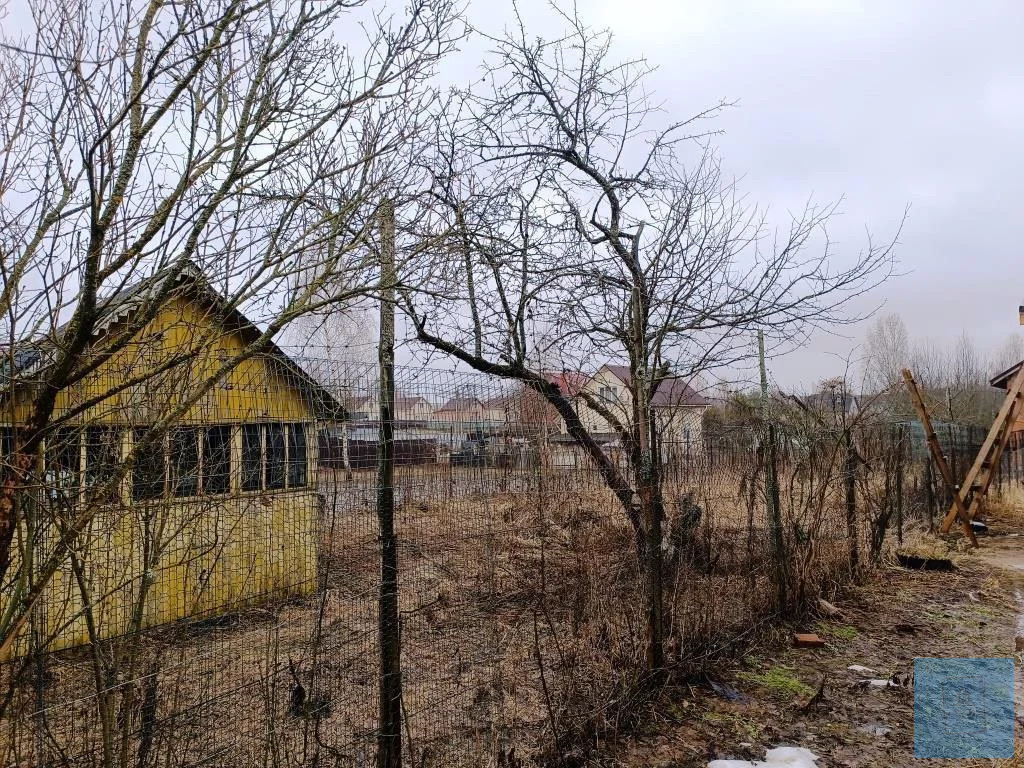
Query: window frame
x=279 y=466
x=243 y=474
x=174 y=478
x=114 y=438
x=50 y=471
x=164 y=476
x=288 y=465
x=291 y=443
x=204 y=453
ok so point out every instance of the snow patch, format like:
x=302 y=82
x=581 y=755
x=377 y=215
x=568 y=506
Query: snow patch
x=780 y=757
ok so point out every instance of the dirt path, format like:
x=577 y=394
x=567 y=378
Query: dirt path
x=975 y=611
x=1006 y=553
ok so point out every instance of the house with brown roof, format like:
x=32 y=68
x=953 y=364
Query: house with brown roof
x=472 y=411
x=678 y=408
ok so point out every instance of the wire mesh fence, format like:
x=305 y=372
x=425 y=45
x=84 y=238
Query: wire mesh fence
x=215 y=590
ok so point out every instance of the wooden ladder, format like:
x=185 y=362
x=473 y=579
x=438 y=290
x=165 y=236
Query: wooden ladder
x=935 y=447
x=980 y=476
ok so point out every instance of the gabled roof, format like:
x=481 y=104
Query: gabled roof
x=499 y=402
x=188 y=280
x=568 y=382
x=1002 y=380
x=409 y=401
x=461 y=404
x=671 y=391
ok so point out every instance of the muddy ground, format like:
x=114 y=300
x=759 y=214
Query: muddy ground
x=766 y=696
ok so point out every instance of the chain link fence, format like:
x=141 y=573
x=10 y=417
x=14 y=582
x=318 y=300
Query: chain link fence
x=218 y=605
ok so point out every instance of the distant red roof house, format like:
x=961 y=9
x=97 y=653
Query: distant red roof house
x=568 y=382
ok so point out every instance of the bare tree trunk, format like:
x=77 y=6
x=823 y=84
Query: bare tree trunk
x=849 y=483
x=345 y=460
x=389 y=734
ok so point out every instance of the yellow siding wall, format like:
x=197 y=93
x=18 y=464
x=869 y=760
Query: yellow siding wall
x=219 y=556
x=218 y=553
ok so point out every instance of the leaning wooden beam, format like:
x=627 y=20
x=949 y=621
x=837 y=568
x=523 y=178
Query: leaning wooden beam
x=940 y=460
x=980 y=475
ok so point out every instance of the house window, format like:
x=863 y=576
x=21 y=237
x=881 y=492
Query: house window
x=149 y=472
x=276 y=474
x=283 y=460
x=64 y=462
x=297 y=456
x=252 y=454
x=217 y=460
x=609 y=395
x=102 y=452
x=184 y=463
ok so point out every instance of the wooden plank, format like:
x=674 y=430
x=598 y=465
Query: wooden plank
x=988 y=457
x=1002 y=418
x=940 y=460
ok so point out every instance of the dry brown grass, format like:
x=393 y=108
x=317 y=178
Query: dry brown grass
x=1007 y=506
x=523 y=625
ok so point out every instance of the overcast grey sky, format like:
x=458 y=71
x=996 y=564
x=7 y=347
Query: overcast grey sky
x=887 y=104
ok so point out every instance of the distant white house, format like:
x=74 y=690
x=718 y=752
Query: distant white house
x=472 y=411
x=678 y=409
x=407 y=408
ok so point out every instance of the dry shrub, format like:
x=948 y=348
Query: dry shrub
x=1007 y=505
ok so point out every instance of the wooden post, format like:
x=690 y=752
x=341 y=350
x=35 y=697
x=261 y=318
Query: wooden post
x=901 y=455
x=940 y=460
x=389 y=735
x=929 y=487
x=969 y=497
x=771 y=486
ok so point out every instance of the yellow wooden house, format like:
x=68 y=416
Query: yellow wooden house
x=198 y=492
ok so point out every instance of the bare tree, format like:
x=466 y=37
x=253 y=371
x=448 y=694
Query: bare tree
x=576 y=206
x=929 y=363
x=222 y=141
x=1009 y=353
x=887 y=351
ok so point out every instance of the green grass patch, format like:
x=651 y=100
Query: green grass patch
x=780 y=681
x=836 y=631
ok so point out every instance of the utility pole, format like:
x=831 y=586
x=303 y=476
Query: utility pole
x=389 y=735
x=771 y=484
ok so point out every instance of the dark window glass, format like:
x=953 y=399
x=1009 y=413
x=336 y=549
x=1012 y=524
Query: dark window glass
x=251 y=464
x=102 y=451
x=297 y=456
x=149 y=471
x=63 y=461
x=217 y=460
x=184 y=462
x=275 y=456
